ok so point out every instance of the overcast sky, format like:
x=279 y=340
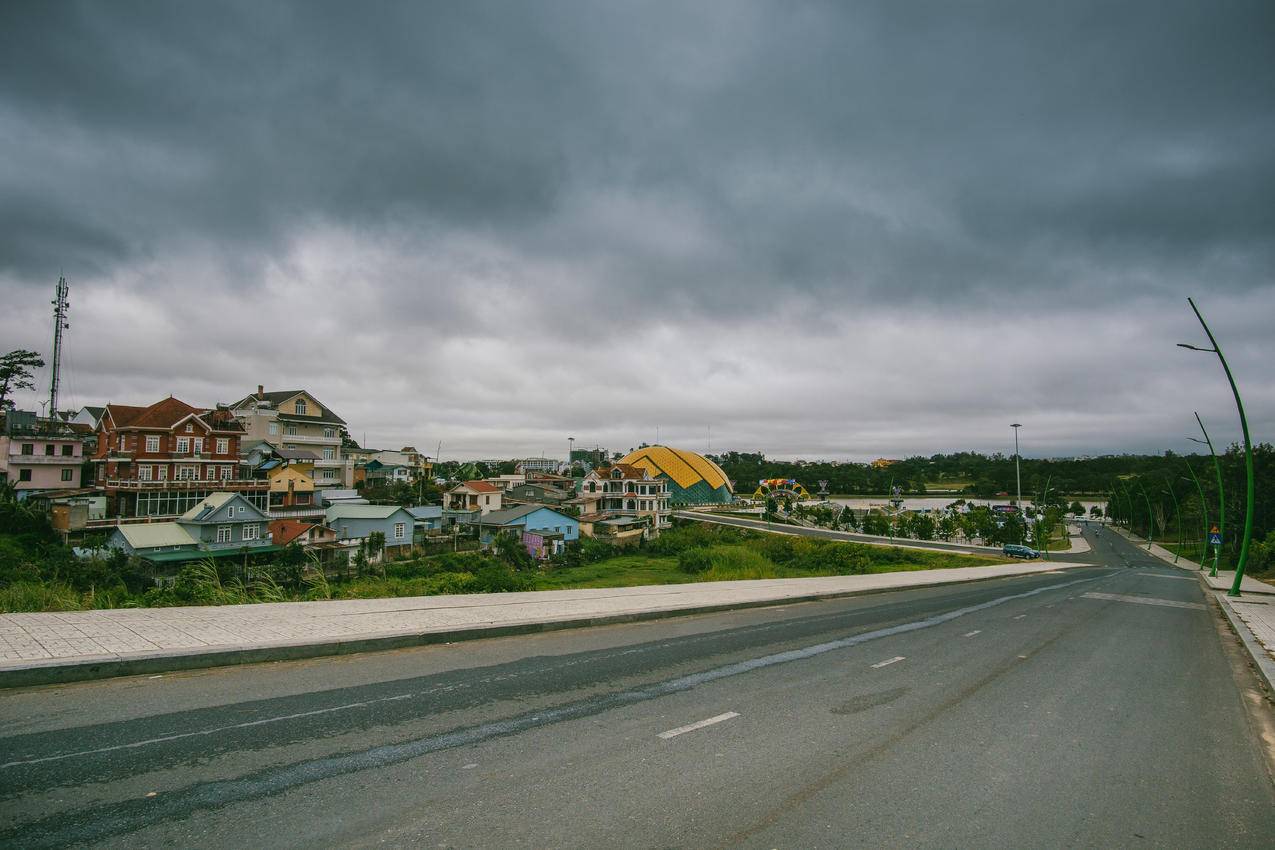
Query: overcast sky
x=817 y=229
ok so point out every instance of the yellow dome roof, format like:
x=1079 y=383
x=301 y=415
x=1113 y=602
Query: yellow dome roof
x=685 y=469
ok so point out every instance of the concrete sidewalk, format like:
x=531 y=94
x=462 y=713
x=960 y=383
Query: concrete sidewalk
x=68 y=646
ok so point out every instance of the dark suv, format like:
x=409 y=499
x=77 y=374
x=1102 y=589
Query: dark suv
x=1013 y=550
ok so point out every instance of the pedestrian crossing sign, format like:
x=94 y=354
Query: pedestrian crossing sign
x=1215 y=539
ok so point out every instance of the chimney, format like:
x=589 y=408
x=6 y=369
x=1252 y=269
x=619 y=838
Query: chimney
x=261 y=391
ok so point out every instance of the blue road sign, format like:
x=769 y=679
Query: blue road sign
x=1215 y=539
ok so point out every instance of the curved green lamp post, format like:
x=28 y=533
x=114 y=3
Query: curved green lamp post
x=1150 y=516
x=1248 y=449
x=1204 y=512
x=1221 y=494
x=1177 y=509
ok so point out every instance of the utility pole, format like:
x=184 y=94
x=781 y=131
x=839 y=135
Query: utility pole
x=1018 y=473
x=60 y=308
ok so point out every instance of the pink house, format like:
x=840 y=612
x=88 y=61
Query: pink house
x=38 y=456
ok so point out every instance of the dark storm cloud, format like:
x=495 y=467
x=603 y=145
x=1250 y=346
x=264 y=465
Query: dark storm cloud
x=479 y=185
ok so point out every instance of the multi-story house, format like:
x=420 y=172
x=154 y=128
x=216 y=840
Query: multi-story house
x=295 y=419
x=221 y=524
x=474 y=496
x=624 y=491
x=165 y=459
x=39 y=455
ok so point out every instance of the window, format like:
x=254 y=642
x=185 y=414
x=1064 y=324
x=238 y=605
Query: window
x=183 y=445
x=250 y=531
x=187 y=473
x=198 y=444
x=210 y=472
x=163 y=472
x=400 y=530
x=67 y=473
x=189 y=428
x=291 y=430
x=24 y=475
x=225 y=473
x=121 y=442
x=29 y=448
x=223 y=445
x=223 y=534
x=329 y=453
x=144 y=473
x=329 y=432
x=49 y=449
x=230 y=512
x=152 y=442
x=273 y=429
x=301 y=407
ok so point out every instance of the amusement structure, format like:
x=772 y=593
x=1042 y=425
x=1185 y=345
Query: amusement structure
x=781 y=488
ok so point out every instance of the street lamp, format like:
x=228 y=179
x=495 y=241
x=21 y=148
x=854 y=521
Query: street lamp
x=1177 y=510
x=1248 y=449
x=1150 y=516
x=1221 y=493
x=1204 y=512
x=1018 y=474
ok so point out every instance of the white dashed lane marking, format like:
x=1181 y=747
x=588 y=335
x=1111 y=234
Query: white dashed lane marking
x=889 y=661
x=971 y=634
x=1144 y=600
x=682 y=730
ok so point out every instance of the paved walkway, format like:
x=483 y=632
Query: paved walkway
x=98 y=642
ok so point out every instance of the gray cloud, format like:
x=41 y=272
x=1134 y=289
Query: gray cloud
x=837 y=229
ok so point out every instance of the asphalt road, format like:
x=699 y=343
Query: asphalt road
x=1094 y=707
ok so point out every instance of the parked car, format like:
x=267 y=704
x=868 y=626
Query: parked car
x=1013 y=550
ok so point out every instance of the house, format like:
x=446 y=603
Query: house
x=429 y=519
x=219 y=525
x=624 y=491
x=378 y=472
x=504 y=482
x=39 y=456
x=285 y=532
x=541 y=528
x=295 y=419
x=164 y=459
x=339 y=497
x=537 y=493
x=353 y=523
x=474 y=495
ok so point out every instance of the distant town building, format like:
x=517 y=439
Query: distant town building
x=623 y=491
x=474 y=495
x=39 y=456
x=219 y=525
x=295 y=419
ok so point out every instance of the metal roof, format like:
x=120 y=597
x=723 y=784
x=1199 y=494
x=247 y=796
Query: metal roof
x=153 y=535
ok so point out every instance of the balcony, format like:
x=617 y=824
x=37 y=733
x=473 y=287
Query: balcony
x=306 y=438
x=41 y=460
x=332 y=463
x=237 y=484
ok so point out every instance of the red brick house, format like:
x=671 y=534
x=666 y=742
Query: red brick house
x=162 y=460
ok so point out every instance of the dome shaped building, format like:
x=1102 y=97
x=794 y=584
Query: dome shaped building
x=692 y=478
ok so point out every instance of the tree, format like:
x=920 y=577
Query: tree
x=1076 y=509
x=15 y=374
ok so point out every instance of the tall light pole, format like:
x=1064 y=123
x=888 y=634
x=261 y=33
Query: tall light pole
x=1221 y=493
x=1204 y=514
x=1177 y=509
x=1018 y=473
x=1248 y=449
x=1150 y=516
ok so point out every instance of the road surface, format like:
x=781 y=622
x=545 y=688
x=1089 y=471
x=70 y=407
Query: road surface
x=1094 y=707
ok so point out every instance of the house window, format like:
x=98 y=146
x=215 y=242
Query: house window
x=329 y=432
x=223 y=445
x=225 y=473
x=152 y=442
x=223 y=534
x=291 y=430
x=198 y=444
x=300 y=407
x=66 y=474
x=273 y=429
x=189 y=428
x=29 y=448
x=250 y=532
x=24 y=475
x=329 y=453
x=163 y=472
x=400 y=530
x=230 y=512
x=49 y=449
x=210 y=472
x=121 y=442
x=183 y=445
x=187 y=473
x=144 y=473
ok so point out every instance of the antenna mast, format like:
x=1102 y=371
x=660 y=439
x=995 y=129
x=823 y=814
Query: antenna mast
x=60 y=308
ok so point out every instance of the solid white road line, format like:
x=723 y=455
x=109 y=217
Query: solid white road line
x=971 y=634
x=1144 y=600
x=682 y=730
x=889 y=661
x=1175 y=578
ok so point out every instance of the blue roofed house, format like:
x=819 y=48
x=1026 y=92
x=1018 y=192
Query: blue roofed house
x=354 y=523
x=221 y=524
x=543 y=530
